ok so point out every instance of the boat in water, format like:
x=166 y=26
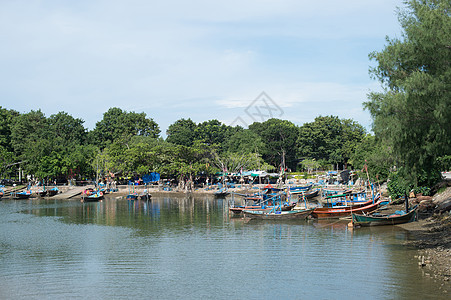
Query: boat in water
x=274 y=214
x=93 y=197
x=22 y=195
x=399 y=217
x=53 y=191
x=344 y=211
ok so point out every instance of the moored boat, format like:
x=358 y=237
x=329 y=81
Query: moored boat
x=53 y=191
x=132 y=196
x=277 y=214
x=344 y=211
x=145 y=195
x=41 y=193
x=93 y=197
x=399 y=217
x=22 y=195
x=222 y=193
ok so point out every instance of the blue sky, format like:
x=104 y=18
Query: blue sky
x=199 y=59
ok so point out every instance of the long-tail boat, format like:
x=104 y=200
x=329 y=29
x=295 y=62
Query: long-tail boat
x=344 y=211
x=277 y=214
x=399 y=217
x=93 y=197
x=22 y=195
x=53 y=191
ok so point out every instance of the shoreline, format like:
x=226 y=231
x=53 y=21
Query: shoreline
x=431 y=237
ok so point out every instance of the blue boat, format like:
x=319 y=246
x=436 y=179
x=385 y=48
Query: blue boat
x=53 y=191
x=23 y=195
x=93 y=197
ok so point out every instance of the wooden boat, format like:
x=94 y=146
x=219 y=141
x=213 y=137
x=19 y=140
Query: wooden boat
x=93 y=197
x=145 y=196
x=221 y=193
x=308 y=194
x=22 y=195
x=277 y=215
x=238 y=210
x=132 y=196
x=299 y=189
x=53 y=191
x=1 y=193
x=399 y=217
x=344 y=199
x=41 y=193
x=344 y=211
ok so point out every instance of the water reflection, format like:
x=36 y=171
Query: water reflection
x=189 y=247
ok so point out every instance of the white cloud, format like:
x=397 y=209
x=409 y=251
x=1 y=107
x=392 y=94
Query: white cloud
x=159 y=56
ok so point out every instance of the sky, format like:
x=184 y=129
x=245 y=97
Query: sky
x=235 y=61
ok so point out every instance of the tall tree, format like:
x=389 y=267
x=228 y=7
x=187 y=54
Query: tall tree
x=329 y=138
x=279 y=138
x=181 y=132
x=413 y=112
x=117 y=124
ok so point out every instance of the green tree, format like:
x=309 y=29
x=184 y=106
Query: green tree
x=377 y=157
x=181 y=132
x=329 y=138
x=117 y=124
x=29 y=139
x=244 y=141
x=413 y=113
x=279 y=138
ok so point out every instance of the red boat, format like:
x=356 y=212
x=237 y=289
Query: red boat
x=338 y=212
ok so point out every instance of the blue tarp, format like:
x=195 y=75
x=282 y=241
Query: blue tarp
x=152 y=177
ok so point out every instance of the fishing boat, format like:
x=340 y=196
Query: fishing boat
x=93 y=197
x=145 y=195
x=344 y=199
x=344 y=211
x=1 y=193
x=22 y=195
x=221 y=193
x=299 y=189
x=53 y=191
x=132 y=196
x=307 y=194
x=399 y=217
x=277 y=214
x=41 y=193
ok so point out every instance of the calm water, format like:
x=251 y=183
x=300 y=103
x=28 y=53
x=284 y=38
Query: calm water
x=189 y=248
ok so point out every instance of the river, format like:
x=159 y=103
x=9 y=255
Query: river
x=178 y=247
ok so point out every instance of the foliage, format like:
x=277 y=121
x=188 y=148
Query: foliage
x=244 y=141
x=444 y=162
x=181 y=132
x=396 y=186
x=329 y=138
x=426 y=191
x=375 y=155
x=279 y=137
x=235 y=162
x=118 y=124
x=412 y=114
x=310 y=164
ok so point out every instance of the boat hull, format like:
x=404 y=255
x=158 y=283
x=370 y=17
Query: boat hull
x=331 y=213
x=362 y=220
x=279 y=215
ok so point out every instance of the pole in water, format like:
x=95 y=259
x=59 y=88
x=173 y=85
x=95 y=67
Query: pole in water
x=406 y=202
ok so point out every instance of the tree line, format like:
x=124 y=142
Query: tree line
x=129 y=143
x=410 y=143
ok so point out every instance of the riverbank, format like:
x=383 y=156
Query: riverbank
x=431 y=235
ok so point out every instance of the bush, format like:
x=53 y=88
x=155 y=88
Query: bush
x=395 y=188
